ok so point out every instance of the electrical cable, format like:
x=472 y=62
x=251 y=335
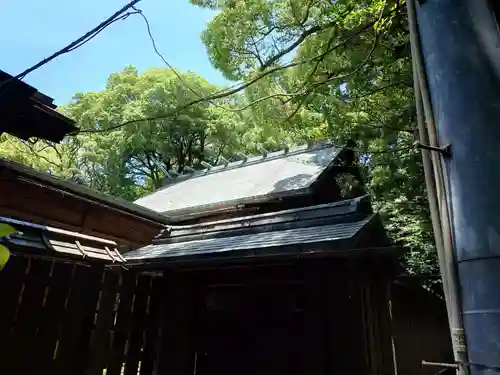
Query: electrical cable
x=226 y=92
x=76 y=43
x=155 y=48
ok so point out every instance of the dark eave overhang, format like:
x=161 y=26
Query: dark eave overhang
x=344 y=211
x=26 y=113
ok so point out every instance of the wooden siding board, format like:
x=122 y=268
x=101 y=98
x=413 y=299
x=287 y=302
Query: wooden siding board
x=314 y=343
x=89 y=307
x=138 y=325
x=338 y=310
x=59 y=286
x=174 y=351
x=384 y=324
x=153 y=327
x=121 y=329
x=12 y=275
x=359 y=361
x=419 y=317
x=99 y=344
x=71 y=324
x=29 y=316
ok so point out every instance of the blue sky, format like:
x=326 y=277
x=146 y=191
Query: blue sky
x=31 y=30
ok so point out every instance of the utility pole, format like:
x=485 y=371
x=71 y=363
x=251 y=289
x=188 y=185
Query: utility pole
x=460 y=46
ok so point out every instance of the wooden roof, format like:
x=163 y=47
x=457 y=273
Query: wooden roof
x=324 y=230
x=27 y=113
x=42 y=199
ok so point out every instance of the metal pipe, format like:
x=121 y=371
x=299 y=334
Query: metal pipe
x=437 y=192
x=431 y=189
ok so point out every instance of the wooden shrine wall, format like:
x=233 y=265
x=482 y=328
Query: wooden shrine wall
x=60 y=318
x=420 y=330
x=63 y=318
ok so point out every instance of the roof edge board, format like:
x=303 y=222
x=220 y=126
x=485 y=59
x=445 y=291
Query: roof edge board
x=263 y=228
x=251 y=160
x=154 y=264
x=34 y=240
x=280 y=218
x=231 y=206
x=270 y=214
x=44 y=228
x=28 y=98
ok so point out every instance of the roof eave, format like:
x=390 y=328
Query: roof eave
x=83 y=192
x=339 y=249
x=231 y=206
x=28 y=113
x=338 y=212
x=39 y=241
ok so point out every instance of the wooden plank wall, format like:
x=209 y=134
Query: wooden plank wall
x=420 y=330
x=59 y=318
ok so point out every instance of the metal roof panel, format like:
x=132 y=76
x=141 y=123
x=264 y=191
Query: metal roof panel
x=278 y=174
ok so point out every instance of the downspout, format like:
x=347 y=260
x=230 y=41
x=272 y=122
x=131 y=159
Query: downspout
x=437 y=193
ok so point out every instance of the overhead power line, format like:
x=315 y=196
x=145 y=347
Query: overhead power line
x=240 y=86
x=201 y=97
x=117 y=16
x=160 y=55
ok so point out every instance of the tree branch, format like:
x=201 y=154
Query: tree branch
x=381 y=88
x=228 y=92
x=302 y=37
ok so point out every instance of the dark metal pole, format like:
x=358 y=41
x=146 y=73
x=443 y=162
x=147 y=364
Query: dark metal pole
x=460 y=42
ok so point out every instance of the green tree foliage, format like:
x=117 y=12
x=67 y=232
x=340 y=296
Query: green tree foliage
x=308 y=69
x=134 y=159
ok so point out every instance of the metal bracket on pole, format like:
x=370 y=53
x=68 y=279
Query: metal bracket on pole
x=440 y=364
x=445 y=150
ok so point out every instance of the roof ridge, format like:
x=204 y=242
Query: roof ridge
x=282 y=174
x=246 y=160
